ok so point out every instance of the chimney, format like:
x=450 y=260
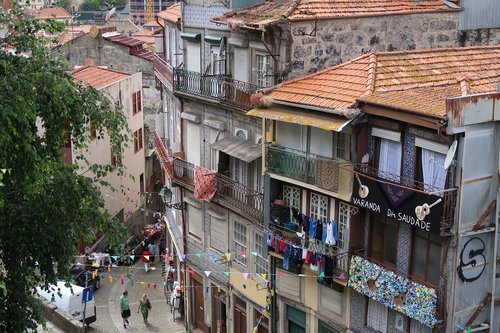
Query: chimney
x=89 y=62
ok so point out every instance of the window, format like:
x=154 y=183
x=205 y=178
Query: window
x=218 y=61
x=264 y=70
x=319 y=207
x=342 y=146
x=115 y=160
x=141 y=183
x=377 y=316
x=240 y=243
x=384 y=239
x=291 y=196
x=138 y=140
x=260 y=258
x=258 y=175
x=418 y=327
x=431 y=171
x=238 y=170
x=324 y=328
x=136 y=102
x=389 y=158
x=426 y=256
x=344 y=221
x=218 y=231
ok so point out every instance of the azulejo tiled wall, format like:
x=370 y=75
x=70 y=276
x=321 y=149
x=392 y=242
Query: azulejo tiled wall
x=394 y=291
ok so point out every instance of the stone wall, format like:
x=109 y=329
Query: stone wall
x=338 y=41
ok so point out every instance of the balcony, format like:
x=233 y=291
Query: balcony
x=418 y=190
x=407 y=294
x=219 y=89
x=323 y=172
x=230 y=193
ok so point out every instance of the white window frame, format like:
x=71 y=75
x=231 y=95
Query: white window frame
x=264 y=69
x=260 y=261
x=217 y=60
x=239 y=170
x=346 y=211
x=240 y=239
x=318 y=206
x=291 y=196
x=346 y=137
x=258 y=175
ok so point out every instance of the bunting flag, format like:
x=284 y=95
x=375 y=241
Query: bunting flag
x=228 y=256
x=245 y=275
x=198 y=255
x=146 y=257
x=205 y=183
x=142 y=284
x=322 y=274
x=243 y=254
x=131 y=257
x=254 y=253
x=226 y=273
x=212 y=256
x=110 y=279
x=281 y=274
x=115 y=258
x=207 y=273
x=218 y=289
x=165 y=160
x=264 y=275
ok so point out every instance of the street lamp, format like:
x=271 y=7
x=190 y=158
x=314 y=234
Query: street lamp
x=166 y=197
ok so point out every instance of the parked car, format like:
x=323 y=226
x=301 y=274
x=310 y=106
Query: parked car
x=83 y=277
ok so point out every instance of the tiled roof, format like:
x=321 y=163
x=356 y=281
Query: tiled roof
x=171 y=14
x=97 y=77
x=123 y=39
x=53 y=13
x=411 y=80
x=73 y=32
x=272 y=11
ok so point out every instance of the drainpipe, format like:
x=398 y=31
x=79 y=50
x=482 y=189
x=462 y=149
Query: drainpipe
x=163 y=34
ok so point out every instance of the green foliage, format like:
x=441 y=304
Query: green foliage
x=102 y=4
x=66 y=4
x=46 y=207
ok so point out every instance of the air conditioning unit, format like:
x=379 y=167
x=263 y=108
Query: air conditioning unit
x=241 y=133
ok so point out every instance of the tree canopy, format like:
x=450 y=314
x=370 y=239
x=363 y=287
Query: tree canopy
x=46 y=207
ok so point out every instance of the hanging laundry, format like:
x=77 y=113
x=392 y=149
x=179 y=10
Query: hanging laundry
x=313 y=225
x=319 y=231
x=305 y=222
x=335 y=232
x=286 y=256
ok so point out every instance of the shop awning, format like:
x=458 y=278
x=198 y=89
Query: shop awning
x=328 y=122
x=240 y=148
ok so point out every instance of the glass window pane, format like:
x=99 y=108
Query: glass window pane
x=434 y=263
x=391 y=244
x=419 y=256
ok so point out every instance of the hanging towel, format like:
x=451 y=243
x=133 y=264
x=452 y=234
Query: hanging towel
x=205 y=183
x=335 y=232
x=330 y=239
x=312 y=227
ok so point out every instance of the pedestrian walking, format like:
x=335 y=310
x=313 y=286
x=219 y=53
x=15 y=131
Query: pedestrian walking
x=152 y=249
x=144 y=307
x=125 y=309
x=146 y=259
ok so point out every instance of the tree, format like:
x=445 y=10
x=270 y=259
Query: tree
x=45 y=205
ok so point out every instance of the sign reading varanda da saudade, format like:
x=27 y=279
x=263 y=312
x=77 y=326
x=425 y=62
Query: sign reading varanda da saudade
x=398 y=203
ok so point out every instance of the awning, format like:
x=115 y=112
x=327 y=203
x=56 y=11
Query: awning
x=242 y=149
x=328 y=122
x=213 y=39
x=190 y=36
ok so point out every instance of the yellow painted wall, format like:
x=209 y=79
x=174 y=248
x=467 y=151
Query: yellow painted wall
x=311 y=289
x=237 y=280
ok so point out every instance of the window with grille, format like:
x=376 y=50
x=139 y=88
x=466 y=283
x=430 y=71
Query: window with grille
x=260 y=258
x=343 y=146
x=138 y=144
x=319 y=207
x=291 y=196
x=344 y=222
x=240 y=243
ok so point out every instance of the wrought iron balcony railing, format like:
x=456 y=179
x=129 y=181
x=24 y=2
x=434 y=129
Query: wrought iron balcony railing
x=218 y=88
x=448 y=196
x=235 y=196
x=237 y=94
x=198 y=84
x=316 y=170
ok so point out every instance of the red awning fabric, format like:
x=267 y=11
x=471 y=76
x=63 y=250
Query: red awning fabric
x=205 y=183
x=165 y=160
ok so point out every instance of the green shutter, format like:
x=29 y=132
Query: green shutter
x=296 y=316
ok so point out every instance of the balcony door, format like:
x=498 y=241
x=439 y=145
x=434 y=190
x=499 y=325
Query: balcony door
x=377 y=316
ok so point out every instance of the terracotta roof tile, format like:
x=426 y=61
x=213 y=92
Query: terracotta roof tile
x=97 y=77
x=123 y=39
x=384 y=77
x=171 y=14
x=53 y=13
x=296 y=10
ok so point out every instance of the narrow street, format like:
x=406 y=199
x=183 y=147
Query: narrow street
x=108 y=309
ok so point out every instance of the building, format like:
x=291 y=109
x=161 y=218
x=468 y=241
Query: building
x=380 y=127
x=143 y=11
x=123 y=89
x=53 y=13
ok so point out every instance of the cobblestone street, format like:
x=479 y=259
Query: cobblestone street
x=108 y=309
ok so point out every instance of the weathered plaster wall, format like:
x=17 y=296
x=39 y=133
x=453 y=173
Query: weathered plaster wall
x=338 y=41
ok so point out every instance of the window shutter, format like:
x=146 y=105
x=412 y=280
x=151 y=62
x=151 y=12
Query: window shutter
x=134 y=104
x=193 y=57
x=219 y=234
x=136 y=142
x=139 y=101
x=386 y=134
x=241 y=66
x=140 y=138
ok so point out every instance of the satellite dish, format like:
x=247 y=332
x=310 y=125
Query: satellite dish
x=450 y=155
x=110 y=13
x=94 y=31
